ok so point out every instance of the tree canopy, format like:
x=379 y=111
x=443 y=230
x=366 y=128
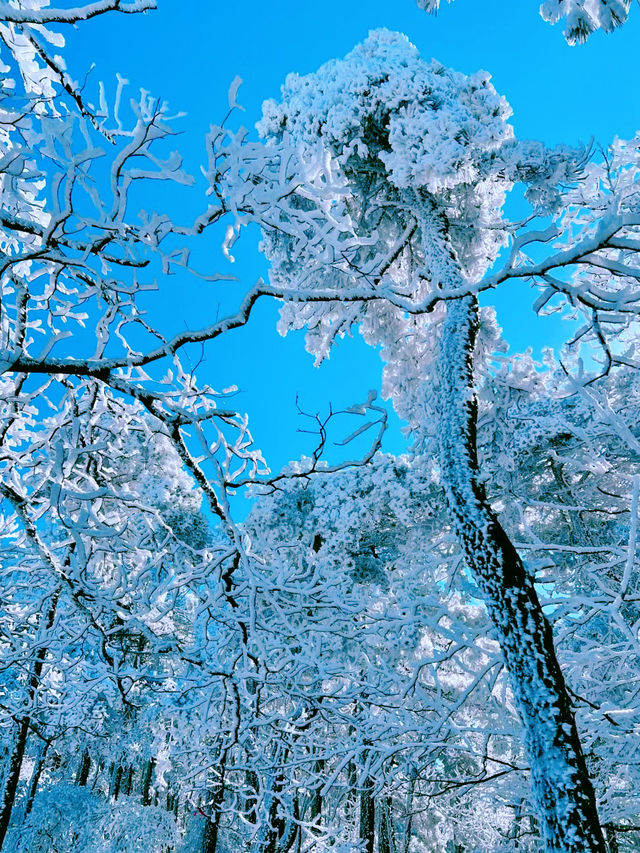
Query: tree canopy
x=387 y=652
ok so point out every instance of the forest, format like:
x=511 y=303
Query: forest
x=425 y=644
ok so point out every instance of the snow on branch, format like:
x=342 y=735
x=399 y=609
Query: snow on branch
x=582 y=17
x=11 y=14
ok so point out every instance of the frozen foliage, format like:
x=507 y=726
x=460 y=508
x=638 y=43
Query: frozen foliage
x=70 y=818
x=575 y=466
x=581 y=17
x=400 y=131
x=430 y=126
x=362 y=242
x=324 y=676
x=392 y=150
x=383 y=644
x=106 y=554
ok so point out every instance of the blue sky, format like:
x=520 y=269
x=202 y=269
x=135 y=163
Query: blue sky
x=188 y=52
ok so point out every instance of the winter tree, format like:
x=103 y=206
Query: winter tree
x=380 y=192
x=121 y=622
x=102 y=533
x=322 y=675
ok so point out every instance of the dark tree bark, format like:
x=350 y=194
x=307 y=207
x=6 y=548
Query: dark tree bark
x=367 y=816
x=127 y=780
x=212 y=828
x=210 y=837
x=251 y=799
x=386 y=833
x=17 y=756
x=116 y=781
x=145 y=785
x=561 y=788
x=84 y=769
x=315 y=806
x=12 y=778
x=275 y=830
x=35 y=779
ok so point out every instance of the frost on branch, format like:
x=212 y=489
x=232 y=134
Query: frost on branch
x=426 y=123
x=404 y=141
x=429 y=228
x=365 y=162
x=370 y=158
x=582 y=17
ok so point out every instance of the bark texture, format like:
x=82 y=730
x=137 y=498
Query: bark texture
x=561 y=788
x=367 y=817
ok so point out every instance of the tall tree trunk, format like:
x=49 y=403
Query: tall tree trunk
x=315 y=806
x=408 y=827
x=12 y=778
x=561 y=787
x=98 y=774
x=291 y=828
x=145 y=786
x=251 y=797
x=84 y=769
x=116 y=781
x=351 y=804
x=275 y=829
x=17 y=756
x=386 y=833
x=35 y=778
x=127 y=780
x=367 y=816
x=210 y=837
x=212 y=828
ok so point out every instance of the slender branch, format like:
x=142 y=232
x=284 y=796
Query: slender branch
x=72 y=16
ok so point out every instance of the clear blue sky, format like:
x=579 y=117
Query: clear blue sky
x=188 y=51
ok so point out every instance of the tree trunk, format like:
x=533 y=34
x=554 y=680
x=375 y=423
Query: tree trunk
x=96 y=778
x=315 y=806
x=386 y=833
x=84 y=769
x=145 y=786
x=116 y=781
x=276 y=826
x=127 y=780
x=291 y=830
x=12 y=779
x=212 y=828
x=17 y=756
x=367 y=816
x=35 y=779
x=408 y=827
x=210 y=837
x=561 y=787
x=351 y=804
x=251 y=797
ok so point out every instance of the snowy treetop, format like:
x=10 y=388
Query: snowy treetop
x=437 y=123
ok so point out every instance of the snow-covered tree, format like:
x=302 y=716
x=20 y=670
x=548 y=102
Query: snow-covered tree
x=119 y=598
x=323 y=675
x=380 y=192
